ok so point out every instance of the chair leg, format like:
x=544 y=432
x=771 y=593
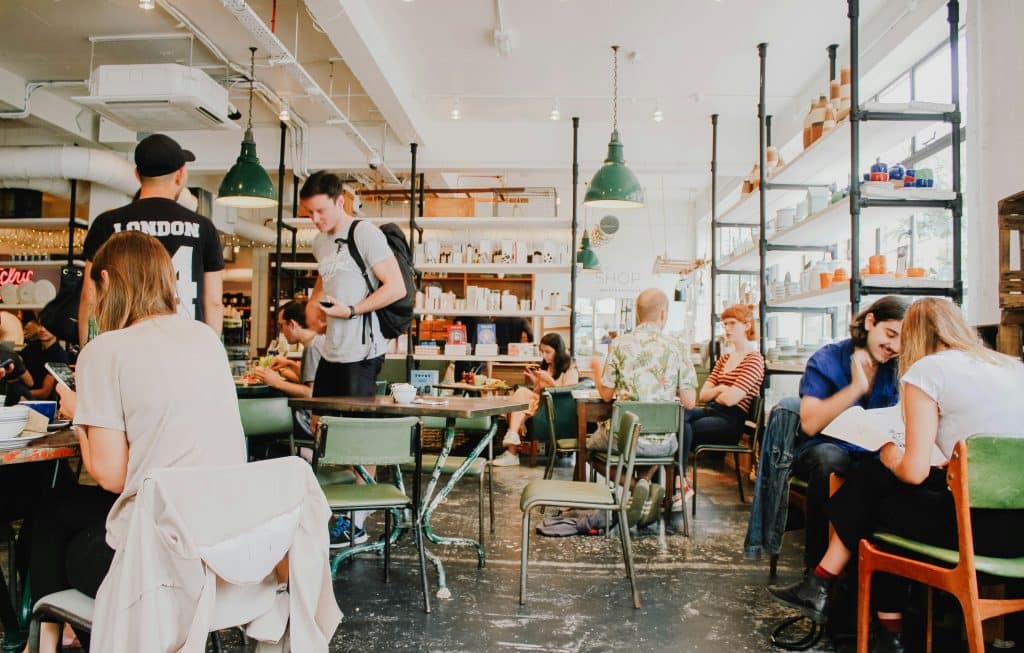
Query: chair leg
x=864 y=571
x=534 y=447
x=972 y=624
x=418 y=527
x=693 y=463
x=480 y=508
x=387 y=545
x=622 y=541
x=524 y=557
x=928 y=622
x=627 y=546
x=664 y=515
x=549 y=468
x=490 y=493
x=773 y=565
x=739 y=475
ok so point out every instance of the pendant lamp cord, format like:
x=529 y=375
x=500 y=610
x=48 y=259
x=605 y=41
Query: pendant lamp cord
x=252 y=76
x=615 y=88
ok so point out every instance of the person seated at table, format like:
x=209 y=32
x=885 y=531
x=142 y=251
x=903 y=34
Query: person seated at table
x=556 y=370
x=731 y=387
x=291 y=322
x=154 y=391
x=645 y=365
x=41 y=347
x=952 y=387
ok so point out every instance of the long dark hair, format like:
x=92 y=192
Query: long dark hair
x=562 y=359
x=887 y=308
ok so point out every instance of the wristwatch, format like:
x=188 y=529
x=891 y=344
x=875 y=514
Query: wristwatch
x=352 y=312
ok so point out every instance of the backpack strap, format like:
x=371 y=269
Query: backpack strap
x=353 y=251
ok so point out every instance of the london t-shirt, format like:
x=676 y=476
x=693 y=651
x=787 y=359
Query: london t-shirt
x=165 y=382
x=345 y=340
x=189 y=238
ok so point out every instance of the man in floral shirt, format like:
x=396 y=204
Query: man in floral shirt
x=646 y=365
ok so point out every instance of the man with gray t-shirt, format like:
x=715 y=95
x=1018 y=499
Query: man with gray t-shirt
x=354 y=348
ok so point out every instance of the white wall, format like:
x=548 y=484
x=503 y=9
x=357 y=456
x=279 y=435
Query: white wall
x=995 y=141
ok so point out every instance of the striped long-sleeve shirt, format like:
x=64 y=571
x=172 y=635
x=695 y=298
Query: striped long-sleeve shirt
x=747 y=376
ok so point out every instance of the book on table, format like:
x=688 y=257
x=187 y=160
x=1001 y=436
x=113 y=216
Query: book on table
x=873 y=428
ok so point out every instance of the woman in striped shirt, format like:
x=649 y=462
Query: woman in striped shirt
x=731 y=387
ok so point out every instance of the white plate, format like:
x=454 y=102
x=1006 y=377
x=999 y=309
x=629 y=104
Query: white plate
x=18 y=443
x=45 y=291
x=27 y=292
x=9 y=293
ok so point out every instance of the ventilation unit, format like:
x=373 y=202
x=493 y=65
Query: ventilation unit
x=158 y=97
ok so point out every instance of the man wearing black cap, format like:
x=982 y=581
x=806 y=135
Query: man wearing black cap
x=189 y=238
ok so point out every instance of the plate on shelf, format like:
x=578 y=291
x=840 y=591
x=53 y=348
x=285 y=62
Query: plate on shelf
x=45 y=291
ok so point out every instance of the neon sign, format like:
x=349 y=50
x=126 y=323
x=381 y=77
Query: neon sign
x=15 y=276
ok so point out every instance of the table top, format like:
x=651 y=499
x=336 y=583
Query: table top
x=466 y=407
x=588 y=397
x=471 y=387
x=61 y=444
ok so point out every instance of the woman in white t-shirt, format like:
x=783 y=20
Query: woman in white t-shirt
x=154 y=390
x=951 y=387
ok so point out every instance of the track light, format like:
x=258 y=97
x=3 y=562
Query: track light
x=658 y=116
x=555 y=113
x=285 y=115
x=456 y=112
x=147 y=4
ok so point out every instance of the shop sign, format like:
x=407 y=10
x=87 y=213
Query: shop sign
x=14 y=276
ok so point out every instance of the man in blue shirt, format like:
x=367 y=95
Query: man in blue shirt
x=860 y=370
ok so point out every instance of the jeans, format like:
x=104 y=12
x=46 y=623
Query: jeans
x=818 y=458
x=771 y=491
x=710 y=425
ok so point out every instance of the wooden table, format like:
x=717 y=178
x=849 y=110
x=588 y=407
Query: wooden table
x=53 y=447
x=472 y=388
x=589 y=408
x=451 y=409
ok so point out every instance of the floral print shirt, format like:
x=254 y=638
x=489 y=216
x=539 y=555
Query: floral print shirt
x=647 y=365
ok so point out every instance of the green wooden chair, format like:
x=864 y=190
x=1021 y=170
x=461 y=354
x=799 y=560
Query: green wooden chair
x=477 y=469
x=984 y=473
x=267 y=419
x=359 y=441
x=751 y=432
x=656 y=417
x=587 y=496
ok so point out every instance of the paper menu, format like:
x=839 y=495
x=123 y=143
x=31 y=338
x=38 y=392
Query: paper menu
x=871 y=429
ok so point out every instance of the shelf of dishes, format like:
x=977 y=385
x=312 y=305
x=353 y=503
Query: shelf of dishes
x=48 y=224
x=827 y=161
x=495 y=268
x=827 y=224
x=455 y=223
x=837 y=293
x=27 y=294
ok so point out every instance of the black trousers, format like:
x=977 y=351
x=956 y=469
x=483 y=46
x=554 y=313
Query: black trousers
x=69 y=548
x=872 y=499
x=712 y=424
x=23 y=488
x=356 y=379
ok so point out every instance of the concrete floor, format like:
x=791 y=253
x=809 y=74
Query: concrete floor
x=698 y=594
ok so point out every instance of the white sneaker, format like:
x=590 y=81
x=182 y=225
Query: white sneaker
x=506 y=459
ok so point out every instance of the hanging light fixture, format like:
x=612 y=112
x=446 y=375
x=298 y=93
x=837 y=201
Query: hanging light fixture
x=614 y=186
x=585 y=257
x=247 y=184
x=285 y=115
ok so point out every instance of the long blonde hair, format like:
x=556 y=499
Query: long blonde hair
x=140 y=280
x=932 y=324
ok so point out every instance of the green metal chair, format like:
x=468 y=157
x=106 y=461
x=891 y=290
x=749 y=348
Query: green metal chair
x=268 y=419
x=359 y=441
x=586 y=495
x=476 y=469
x=751 y=430
x=558 y=412
x=656 y=417
x=984 y=473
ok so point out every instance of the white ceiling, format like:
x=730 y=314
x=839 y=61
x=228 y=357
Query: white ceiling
x=693 y=58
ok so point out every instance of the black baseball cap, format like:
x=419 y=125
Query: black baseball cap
x=157 y=155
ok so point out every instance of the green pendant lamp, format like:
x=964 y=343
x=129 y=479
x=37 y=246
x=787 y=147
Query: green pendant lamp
x=614 y=186
x=247 y=184
x=586 y=257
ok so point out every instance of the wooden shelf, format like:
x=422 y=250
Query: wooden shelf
x=470 y=358
x=496 y=268
x=838 y=294
x=48 y=224
x=22 y=307
x=468 y=313
x=53 y=263
x=832 y=224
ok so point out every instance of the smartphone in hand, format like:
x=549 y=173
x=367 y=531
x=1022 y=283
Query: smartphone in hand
x=326 y=303
x=62 y=373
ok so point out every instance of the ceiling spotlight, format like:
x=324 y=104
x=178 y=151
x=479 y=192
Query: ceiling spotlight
x=456 y=112
x=285 y=115
x=658 y=116
x=555 y=113
x=147 y=4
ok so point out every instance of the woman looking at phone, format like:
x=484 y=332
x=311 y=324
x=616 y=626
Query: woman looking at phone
x=556 y=370
x=154 y=390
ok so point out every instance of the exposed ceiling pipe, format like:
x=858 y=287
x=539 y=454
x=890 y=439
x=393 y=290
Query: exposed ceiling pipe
x=30 y=89
x=56 y=187
x=281 y=56
x=296 y=126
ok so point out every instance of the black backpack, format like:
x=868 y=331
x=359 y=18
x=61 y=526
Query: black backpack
x=60 y=315
x=395 y=318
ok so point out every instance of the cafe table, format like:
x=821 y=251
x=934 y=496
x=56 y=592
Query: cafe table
x=53 y=447
x=590 y=408
x=449 y=408
x=472 y=388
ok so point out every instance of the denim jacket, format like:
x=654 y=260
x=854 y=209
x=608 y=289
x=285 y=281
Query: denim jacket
x=771 y=492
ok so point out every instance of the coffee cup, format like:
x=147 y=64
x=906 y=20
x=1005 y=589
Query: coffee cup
x=47 y=408
x=403 y=393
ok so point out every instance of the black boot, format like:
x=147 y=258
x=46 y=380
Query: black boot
x=810 y=596
x=883 y=641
